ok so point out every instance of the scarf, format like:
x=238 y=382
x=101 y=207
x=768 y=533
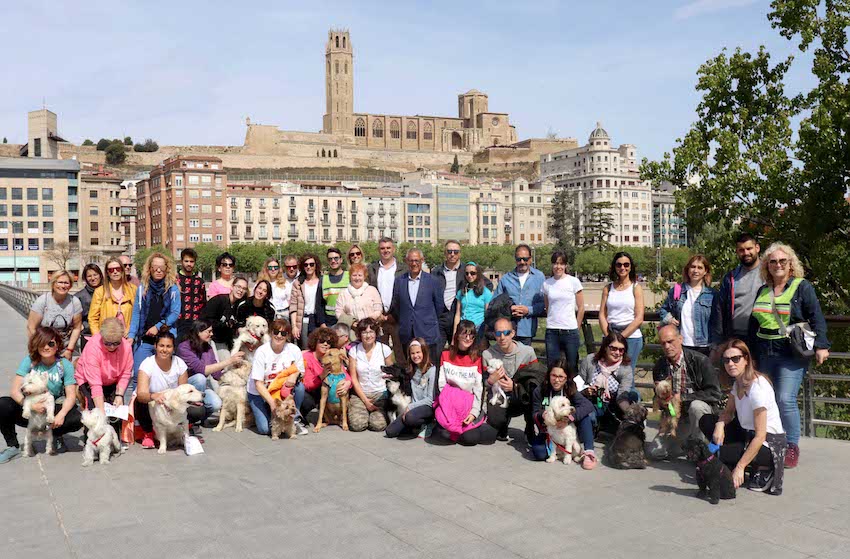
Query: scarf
x=357 y=292
x=611 y=385
x=155 y=288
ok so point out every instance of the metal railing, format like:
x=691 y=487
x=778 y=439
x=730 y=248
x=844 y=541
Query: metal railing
x=18 y=298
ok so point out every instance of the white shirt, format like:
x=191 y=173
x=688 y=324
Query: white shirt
x=386 y=278
x=280 y=297
x=522 y=278
x=686 y=324
x=413 y=287
x=163 y=380
x=310 y=298
x=621 y=308
x=369 y=371
x=451 y=285
x=268 y=364
x=561 y=294
x=760 y=395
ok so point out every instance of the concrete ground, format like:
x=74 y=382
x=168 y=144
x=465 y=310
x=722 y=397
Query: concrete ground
x=354 y=495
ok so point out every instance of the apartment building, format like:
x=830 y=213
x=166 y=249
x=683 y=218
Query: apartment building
x=668 y=227
x=105 y=231
x=528 y=208
x=182 y=203
x=39 y=212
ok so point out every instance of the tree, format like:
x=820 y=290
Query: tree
x=551 y=134
x=5 y=141
x=455 y=166
x=776 y=164
x=149 y=146
x=115 y=154
x=61 y=254
x=564 y=223
x=88 y=142
x=142 y=255
x=102 y=144
x=128 y=141
x=599 y=226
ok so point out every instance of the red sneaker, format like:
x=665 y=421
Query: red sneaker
x=147 y=441
x=792 y=456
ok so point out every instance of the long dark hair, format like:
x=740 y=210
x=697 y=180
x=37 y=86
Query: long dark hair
x=612 y=271
x=480 y=283
x=426 y=357
x=465 y=326
x=268 y=290
x=569 y=387
x=198 y=346
x=97 y=269
x=613 y=336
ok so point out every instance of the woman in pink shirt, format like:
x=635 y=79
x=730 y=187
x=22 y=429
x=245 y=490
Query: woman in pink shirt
x=105 y=367
x=318 y=344
x=225 y=263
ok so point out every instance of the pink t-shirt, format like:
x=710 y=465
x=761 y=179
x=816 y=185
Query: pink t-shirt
x=216 y=288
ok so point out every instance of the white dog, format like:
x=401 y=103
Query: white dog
x=101 y=438
x=34 y=389
x=499 y=398
x=169 y=419
x=251 y=336
x=234 y=398
x=565 y=439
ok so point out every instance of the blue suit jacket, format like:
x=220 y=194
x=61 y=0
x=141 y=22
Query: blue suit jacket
x=418 y=318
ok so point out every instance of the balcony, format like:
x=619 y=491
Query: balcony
x=326 y=222
x=292 y=234
x=73 y=199
x=370 y=211
x=382 y=212
x=233 y=205
x=326 y=238
x=234 y=236
x=276 y=219
x=393 y=211
x=354 y=210
x=311 y=221
x=249 y=236
x=354 y=222
x=382 y=223
x=340 y=220
x=264 y=220
x=311 y=208
x=355 y=237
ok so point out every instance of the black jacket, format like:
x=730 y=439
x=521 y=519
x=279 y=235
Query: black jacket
x=246 y=308
x=222 y=315
x=400 y=269
x=439 y=272
x=580 y=403
x=702 y=375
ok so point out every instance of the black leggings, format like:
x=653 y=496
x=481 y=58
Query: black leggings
x=499 y=418
x=195 y=415
x=310 y=402
x=483 y=434
x=412 y=421
x=108 y=396
x=735 y=442
x=11 y=414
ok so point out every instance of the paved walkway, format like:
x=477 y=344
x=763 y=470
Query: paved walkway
x=359 y=495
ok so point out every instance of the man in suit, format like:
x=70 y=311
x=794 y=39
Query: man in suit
x=382 y=276
x=417 y=305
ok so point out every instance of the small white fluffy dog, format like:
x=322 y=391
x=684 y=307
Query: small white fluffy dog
x=566 y=439
x=498 y=398
x=101 y=438
x=169 y=420
x=251 y=336
x=234 y=398
x=34 y=389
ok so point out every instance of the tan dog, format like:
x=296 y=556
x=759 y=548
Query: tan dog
x=283 y=418
x=331 y=375
x=169 y=419
x=670 y=405
x=235 y=411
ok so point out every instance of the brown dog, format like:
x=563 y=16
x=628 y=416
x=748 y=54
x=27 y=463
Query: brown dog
x=283 y=419
x=331 y=376
x=670 y=405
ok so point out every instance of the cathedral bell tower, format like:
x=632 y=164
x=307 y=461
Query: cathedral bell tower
x=339 y=84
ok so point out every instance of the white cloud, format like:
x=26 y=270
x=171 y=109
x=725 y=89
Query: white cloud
x=702 y=7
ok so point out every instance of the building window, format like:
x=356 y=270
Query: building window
x=93 y=211
x=93 y=194
x=32 y=194
x=411 y=131
x=17 y=194
x=360 y=128
x=94 y=226
x=37 y=147
x=378 y=129
x=395 y=131
x=428 y=133
x=47 y=210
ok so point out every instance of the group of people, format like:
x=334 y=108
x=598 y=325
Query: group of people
x=461 y=341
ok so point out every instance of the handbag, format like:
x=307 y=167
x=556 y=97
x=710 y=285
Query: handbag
x=800 y=335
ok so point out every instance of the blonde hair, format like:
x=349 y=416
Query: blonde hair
x=58 y=275
x=112 y=329
x=795 y=268
x=115 y=260
x=170 y=272
x=264 y=273
x=686 y=276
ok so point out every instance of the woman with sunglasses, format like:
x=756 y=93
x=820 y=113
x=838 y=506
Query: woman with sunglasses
x=749 y=431
x=94 y=279
x=355 y=255
x=607 y=380
x=259 y=304
x=272 y=273
x=473 y=296
x=306 y=304
x=105 y=367
x=688 y=304
x=622 y=308
x=272 y=360
x=563 y=297
x=43 y=357
x=225 y=265
x=318 y=344
x=786 y=299
x=59 y=310
x=156 y=308
x=113 y=299
x=220 y=311
x=460 y=383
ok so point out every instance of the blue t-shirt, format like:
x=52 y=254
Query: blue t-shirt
x=60 y=375
x=472 y=306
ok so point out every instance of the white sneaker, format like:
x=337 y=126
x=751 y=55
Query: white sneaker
x=301 y=429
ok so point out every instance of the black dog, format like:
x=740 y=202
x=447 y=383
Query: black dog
x=398 y=386
x=626 y=449
x=711 y=474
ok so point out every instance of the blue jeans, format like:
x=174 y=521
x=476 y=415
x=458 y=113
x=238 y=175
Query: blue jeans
x=142 y=352
x=212 y=403
x=564 y=342
x=262 y=413
x=633 y=349
x=787 y=374
x=540 y=450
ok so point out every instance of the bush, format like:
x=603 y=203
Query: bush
x=115 y=154
x=102 y=144
x=149 y=146
x=128 y=141
x=88 y=142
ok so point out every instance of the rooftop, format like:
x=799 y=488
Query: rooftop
x=39 y=164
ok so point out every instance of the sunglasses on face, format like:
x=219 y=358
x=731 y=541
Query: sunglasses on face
x=227 y=264
x=279 y=332
x=467 y=335
x=309 y=264
x=522 y=258
x=626 y=265
x=502 y=333
x=358 y=253
x=112 y=344
x=781 y=262
x=616 y=349
x=51 y=343
x=334 y=258
x=473 y=274
x=274 y=267
x=292 y=267
x=114 y=270
x=452 y=251
x=157 y=268
x=128 y=265
x=734 y=359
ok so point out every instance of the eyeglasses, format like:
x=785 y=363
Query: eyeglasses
x=468 y=335
x=309 y=264
x=274 y=267
x=782 y=262
x=292 y=267
x=279 y=332
x=111 y=344
x=51 y=343
x=414 y=261
x=522 y=258
x=452 y=251
x=616 y=349
x=227 y=264
x=625 y=265
x=240 y=287
x=734 y=359
x=112 y=270
x=473 y=274
x=352 y=253
x=334 y=258
x=501 y=333
x=558 y=377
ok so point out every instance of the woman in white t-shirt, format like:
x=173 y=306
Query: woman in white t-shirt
x=564 y=300
x=622 y=308
x=365 y=359
x=158 y=373
x=272 y=360
x=688 y=304
x=750 y=429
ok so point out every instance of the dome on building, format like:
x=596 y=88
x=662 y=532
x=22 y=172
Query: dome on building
x=599 y=133
x=474 y=92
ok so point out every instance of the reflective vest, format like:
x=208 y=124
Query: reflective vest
x=763 y=311
x=330 y=291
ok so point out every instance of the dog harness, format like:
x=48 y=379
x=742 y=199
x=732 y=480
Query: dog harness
x=257 y=341
x=98 y=439
x=333 y=381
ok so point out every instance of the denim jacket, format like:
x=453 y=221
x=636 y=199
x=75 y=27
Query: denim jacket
x=530 y=295
x=702 y=311
x=171 y=305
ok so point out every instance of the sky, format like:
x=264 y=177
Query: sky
x=189 y=72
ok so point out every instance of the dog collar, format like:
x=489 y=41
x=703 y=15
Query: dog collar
x=706 y=461
x=257 y=341
x=98 y=439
